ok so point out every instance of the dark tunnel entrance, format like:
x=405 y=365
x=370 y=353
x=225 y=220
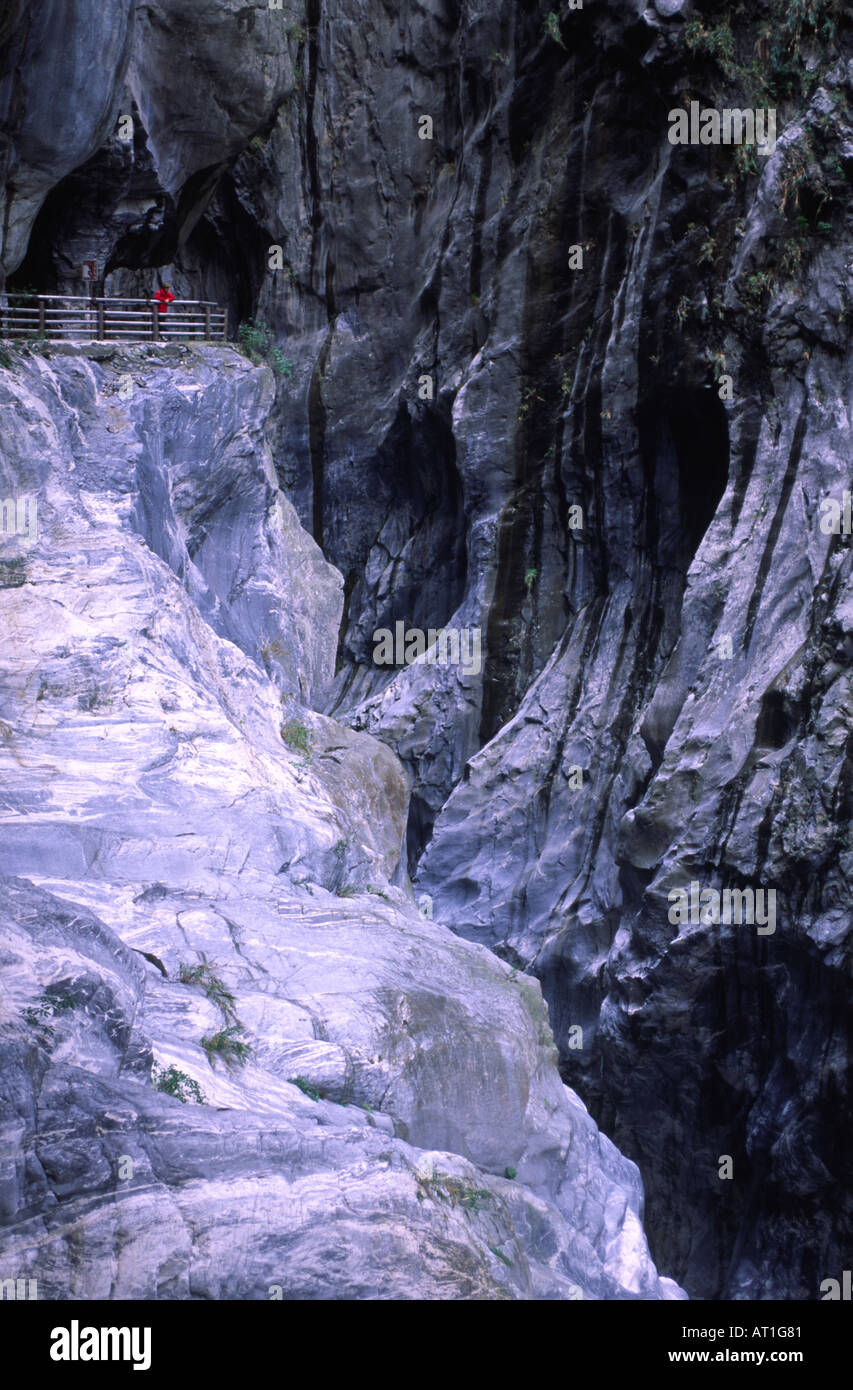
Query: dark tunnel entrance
x=684 y=441
x=700 y=431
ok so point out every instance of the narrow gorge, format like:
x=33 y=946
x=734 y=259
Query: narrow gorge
x=323 y=978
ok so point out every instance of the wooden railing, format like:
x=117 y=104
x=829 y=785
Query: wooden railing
x=57 y=317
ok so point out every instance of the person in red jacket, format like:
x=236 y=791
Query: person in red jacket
x=163 y=298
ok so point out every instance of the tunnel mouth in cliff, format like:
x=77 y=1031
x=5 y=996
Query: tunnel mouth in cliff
x=684 y=442
x=114 y=210
x=111 y=209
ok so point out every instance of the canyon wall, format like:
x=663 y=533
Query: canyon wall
x=550 y=376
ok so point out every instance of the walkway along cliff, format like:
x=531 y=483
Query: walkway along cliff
x=516 y=363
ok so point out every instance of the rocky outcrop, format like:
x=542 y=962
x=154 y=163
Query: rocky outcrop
x=320 y=1189
x=193 y=862
x=702 y=740
x=613 y=464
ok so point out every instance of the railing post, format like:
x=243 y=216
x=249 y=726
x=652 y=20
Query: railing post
x=207 y=323
x=155 y=327
x=41 y=317
x=102 y=330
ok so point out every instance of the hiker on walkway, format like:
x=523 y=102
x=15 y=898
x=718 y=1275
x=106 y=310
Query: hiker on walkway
x=163 y=298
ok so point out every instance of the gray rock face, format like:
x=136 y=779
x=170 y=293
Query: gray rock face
x=206 y=79
x=231 y=537
x=169 y=804
x=664 y=696
x=61 y=74
x=671 y=742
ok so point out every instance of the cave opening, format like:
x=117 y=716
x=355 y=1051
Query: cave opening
x=684 y=441
x=700 y=431
x=775 y=724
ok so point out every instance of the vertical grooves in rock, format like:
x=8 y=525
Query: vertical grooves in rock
x=317 y=441
x=776 y=524
x=605 y=648
x=313 y=14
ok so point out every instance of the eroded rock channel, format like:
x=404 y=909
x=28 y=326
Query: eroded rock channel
x=512 y=362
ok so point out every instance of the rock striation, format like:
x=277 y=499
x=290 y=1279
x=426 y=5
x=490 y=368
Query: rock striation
x=549 y=376
x=194 y=862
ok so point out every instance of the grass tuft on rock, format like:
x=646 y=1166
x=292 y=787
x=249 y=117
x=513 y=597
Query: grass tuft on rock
x=227 y=1045
x=204 y=976
x=307 y=1087
x=173 y=1082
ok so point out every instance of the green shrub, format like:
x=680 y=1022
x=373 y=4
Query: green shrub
x=777 y=62
x=37 y=1015
x=552 y=28
x=453 y=1190
x=756 y=287
x=307 y=1087
x=510 y=1172
x=206 y=978
x=296 y=736
x=529 y=398
x=176 y=1083
x=716 y=360
x=279 y=363
x=48 y=1005
x=794 y=17
x=257 y=342
x=227 y=1045
x=716 y=42
x=792 y=257
x=745 y=161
